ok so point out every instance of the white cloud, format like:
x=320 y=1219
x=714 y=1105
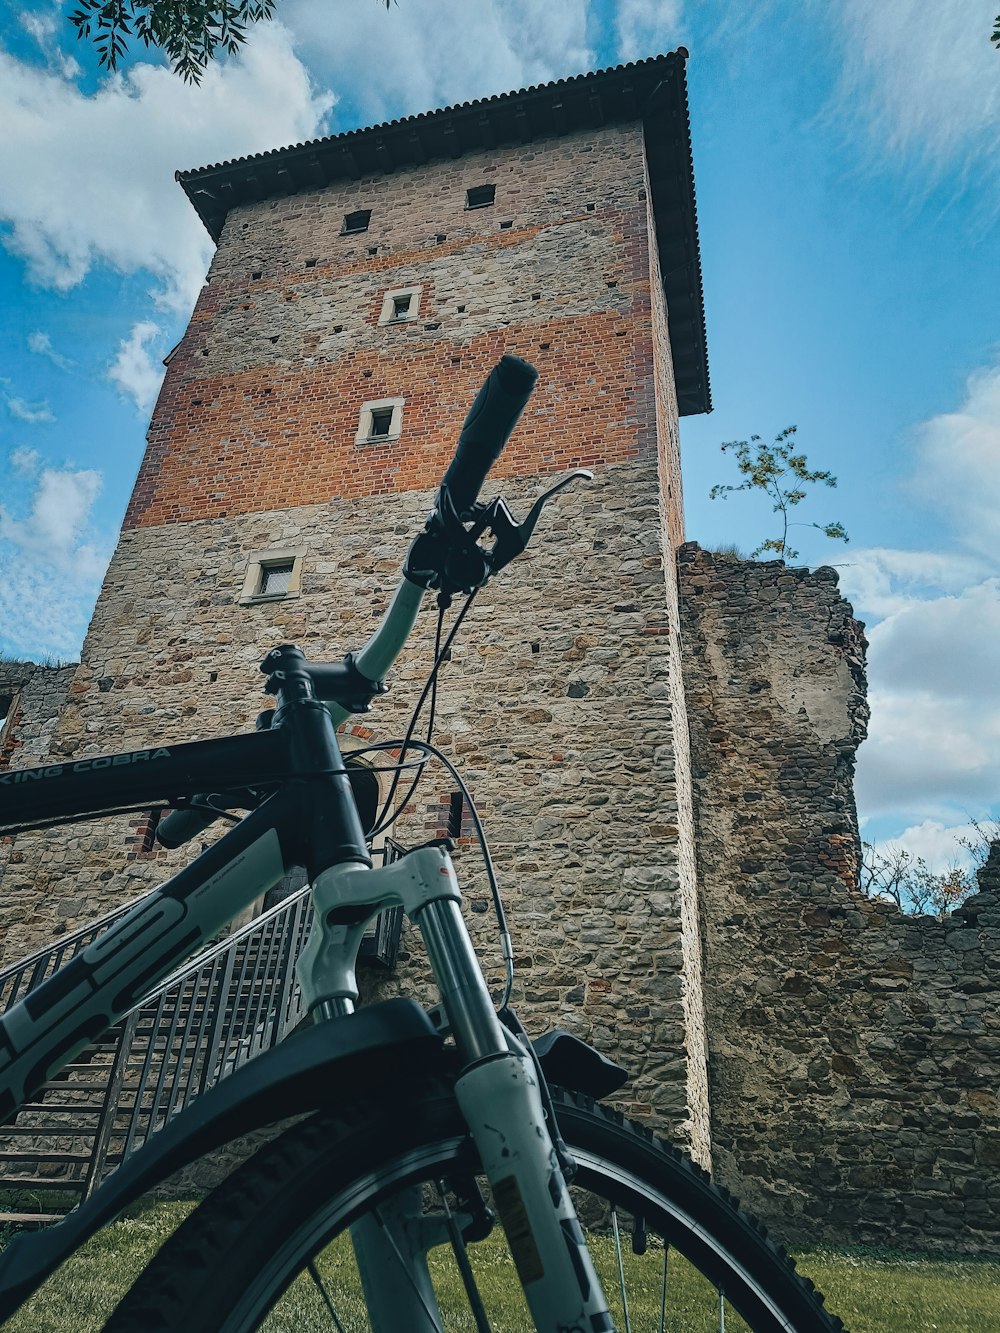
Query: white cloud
x=136 y=370
x=54 y=529
x=33 y=413
x=934 y=659
x=939 y=845
x=25 y=460
x=431 y=53
x=41 y=344
x=646 y=27
x=959 y=462
x=922 y=79
x=52 y=559
x=881 y=581
x=95 y=172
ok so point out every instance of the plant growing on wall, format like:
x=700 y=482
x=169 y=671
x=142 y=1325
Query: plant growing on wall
x=896 y=875
x=782 y=475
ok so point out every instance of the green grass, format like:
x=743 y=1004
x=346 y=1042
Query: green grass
x=873 y=1292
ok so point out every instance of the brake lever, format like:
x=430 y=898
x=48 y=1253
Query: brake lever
x=512 y=537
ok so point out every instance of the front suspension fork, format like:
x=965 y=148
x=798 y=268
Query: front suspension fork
x=497 y=1092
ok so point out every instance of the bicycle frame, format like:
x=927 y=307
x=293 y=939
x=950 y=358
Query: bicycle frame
x=309 y=820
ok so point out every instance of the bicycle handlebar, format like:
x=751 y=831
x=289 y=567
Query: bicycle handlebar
x=487 y=428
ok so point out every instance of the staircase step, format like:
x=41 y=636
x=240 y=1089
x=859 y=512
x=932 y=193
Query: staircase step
x=57 y=1108
x=62 y=1131
x=27 y=1156
x=30 y=1219
x=54 y=1185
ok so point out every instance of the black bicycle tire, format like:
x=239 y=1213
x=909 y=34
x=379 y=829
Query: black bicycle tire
x=269 y=1212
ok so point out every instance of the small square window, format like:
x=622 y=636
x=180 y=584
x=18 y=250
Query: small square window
x=480 y=196
x=272 y=575
x=356 y=222
x=275 y=578
x=381 y=421
x=400 y=306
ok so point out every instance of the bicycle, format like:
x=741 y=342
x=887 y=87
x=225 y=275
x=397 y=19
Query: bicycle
x=420 y=1127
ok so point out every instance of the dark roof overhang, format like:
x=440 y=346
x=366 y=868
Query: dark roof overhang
x=653 y=91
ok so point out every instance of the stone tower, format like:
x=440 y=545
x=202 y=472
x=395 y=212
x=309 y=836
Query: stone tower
x=362 y=287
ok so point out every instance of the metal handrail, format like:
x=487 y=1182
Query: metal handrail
x=228 y=1004
x=24 y=975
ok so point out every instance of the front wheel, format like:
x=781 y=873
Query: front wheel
x=267 y=1249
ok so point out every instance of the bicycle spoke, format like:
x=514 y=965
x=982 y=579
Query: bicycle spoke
x=663 y=1290
x=621 y=1269
x=376 y=1213
x=464 y=1267
x=320 y=1287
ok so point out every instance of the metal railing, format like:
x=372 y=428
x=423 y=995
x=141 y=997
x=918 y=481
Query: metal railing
x=235 y=1000
x=18 y=978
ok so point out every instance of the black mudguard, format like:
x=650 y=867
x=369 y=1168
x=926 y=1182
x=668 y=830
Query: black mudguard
x=321 y=1066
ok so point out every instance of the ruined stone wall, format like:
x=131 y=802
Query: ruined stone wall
x=559 y=703
x=38 y=694
x=854 y=1051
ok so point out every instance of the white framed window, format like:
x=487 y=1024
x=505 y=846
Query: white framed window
x=272 y=576
x=401 y=305
x=380 y=421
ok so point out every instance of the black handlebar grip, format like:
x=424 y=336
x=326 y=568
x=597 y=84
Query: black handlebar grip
x=487 y=428
x=180 y=826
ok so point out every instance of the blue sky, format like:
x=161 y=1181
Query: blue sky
x=848 y=190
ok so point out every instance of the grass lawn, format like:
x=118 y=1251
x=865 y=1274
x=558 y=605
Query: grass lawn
x=872 y=1292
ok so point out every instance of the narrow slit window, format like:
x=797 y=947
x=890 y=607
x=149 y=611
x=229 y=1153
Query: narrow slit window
x=356 y=222
x=455 y=808
x=480 y=196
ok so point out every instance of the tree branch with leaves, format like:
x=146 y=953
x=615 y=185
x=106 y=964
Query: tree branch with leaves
x=782 y=475
x=190 y=33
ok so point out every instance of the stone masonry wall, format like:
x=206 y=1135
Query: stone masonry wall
x=854 y=1051
x=559 y=703
x=38 y=693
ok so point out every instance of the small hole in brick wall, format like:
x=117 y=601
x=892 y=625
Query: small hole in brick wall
x=612 y=284
x=536 y=647
x=196 y=402
x=213 y=676
x=367 y=374
x=455 y=804
x=506 y=226
x=338 y=328
x=536 y=296
x=373 y=249
x=267 y=391
x=310 y=263
x=544 y=346
x=456 y=360
x=204 y=351
x=432 y=326
x=274 y=339
x=441 y=237
x=591 y=207
x=258 y=274
x=461 y=309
